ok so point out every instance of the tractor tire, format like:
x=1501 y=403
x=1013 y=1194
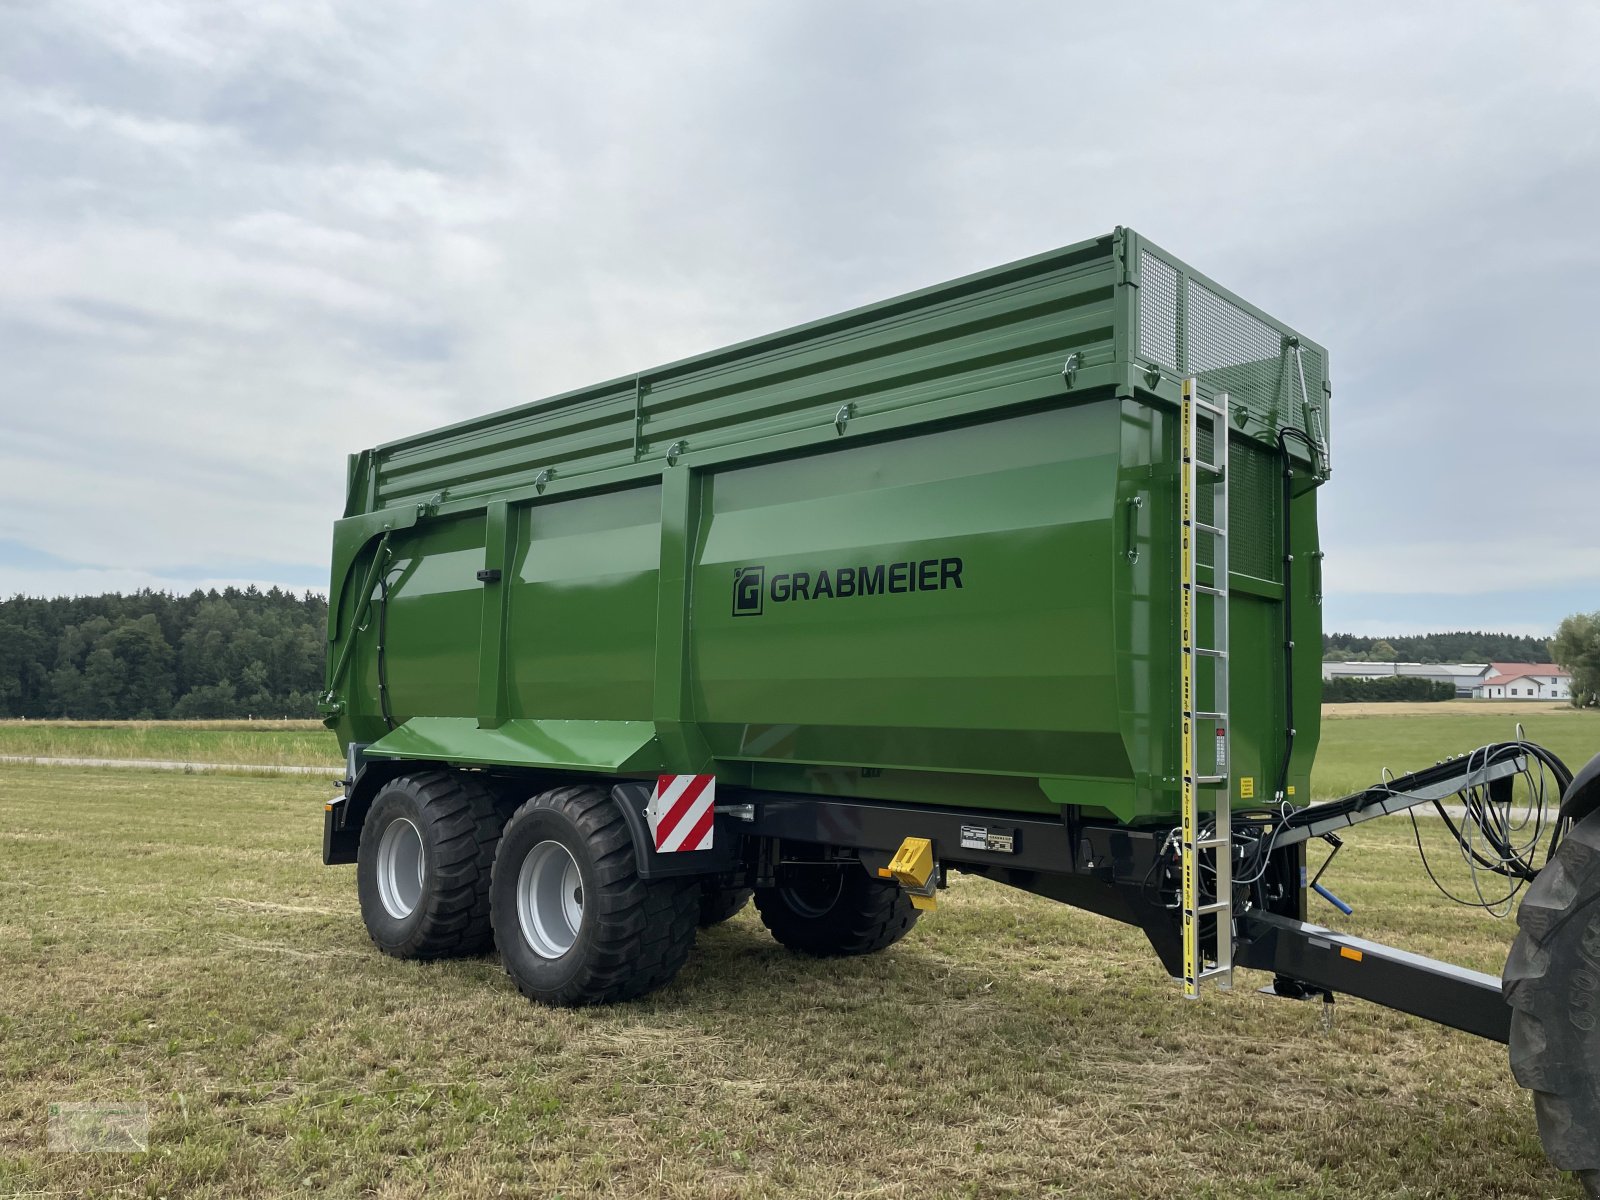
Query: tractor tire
x=829 y=911
x=574 y=922
x=719 y=904
x=423 y=865
x=1552 y=982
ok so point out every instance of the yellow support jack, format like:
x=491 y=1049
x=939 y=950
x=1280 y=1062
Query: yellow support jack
x=914 y=868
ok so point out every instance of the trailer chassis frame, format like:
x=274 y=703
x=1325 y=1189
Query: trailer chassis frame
x=1120 y=871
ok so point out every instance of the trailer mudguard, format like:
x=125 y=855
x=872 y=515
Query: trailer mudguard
x=631 y=798
x=610 y=747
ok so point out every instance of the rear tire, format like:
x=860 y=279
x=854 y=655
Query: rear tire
x=719 y=904
x=1552 y=982
x=574 y=922
x=830 y=911
x=423 y=866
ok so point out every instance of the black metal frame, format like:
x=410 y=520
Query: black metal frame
x=1320 y=960
x=1128 y=873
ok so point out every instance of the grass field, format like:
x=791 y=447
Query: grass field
x=1356 y=746
x=173 y=939
x=263 y=743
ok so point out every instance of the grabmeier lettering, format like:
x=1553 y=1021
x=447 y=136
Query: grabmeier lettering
x=844 y=583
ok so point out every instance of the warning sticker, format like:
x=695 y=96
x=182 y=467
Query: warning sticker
x=1247 y=787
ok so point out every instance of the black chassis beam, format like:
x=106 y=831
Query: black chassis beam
x=1103 y=867
x=1108 y=868
x=1326 y=961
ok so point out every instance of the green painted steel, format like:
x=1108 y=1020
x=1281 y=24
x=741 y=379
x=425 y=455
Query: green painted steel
x=925 y=551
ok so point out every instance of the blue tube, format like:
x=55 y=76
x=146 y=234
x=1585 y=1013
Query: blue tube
x=1332 y=899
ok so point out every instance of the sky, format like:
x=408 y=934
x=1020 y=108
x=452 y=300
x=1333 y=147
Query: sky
x=239 y=241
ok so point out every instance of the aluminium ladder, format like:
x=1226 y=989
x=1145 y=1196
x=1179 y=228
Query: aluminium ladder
x=1206 y=839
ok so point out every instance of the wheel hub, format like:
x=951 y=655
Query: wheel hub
x=400 y=868
x=550 y=899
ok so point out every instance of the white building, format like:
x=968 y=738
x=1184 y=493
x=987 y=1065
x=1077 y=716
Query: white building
x=1465 y=677
x=1525 y=681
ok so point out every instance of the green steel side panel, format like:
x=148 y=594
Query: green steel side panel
x=996 y=658
x=581 y=624
x=609 y=746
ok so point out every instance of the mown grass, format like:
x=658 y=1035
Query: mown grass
x=174 y=939
x=1356 y=748
x=261 y=743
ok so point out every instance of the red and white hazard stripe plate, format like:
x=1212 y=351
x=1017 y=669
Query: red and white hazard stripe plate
x=680 y=812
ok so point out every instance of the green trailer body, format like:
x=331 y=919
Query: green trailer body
x=925 y=551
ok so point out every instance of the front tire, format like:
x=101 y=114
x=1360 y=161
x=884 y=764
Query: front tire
x=831 y=910
x=1552 y=982
x=574 y=922
x=423 y=866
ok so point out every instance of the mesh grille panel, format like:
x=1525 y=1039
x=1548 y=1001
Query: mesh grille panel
x=1253 y=516
x=1236 y=352
x=1253 y=508
x=1158 y=310
x=1221 y=334
x=1193 y=329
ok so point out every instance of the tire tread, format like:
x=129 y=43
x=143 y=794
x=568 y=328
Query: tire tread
x=1550 y=1055
x=869 y=916
x=466 y=823
x=644 y=930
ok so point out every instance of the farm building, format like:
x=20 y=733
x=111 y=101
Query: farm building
x=1466 y=677
x=1525 y=681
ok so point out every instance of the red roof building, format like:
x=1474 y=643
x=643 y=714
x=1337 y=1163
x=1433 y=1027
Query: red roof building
x=1525 y=681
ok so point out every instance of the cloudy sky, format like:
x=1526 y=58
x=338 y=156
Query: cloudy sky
x=238 y=241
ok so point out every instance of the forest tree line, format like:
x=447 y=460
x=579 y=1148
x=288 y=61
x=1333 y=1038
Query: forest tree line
x=154 y=656
x=1436 y=648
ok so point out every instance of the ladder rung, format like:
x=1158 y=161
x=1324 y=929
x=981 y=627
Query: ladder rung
x=1208 y=716
x=1212 y=844
x=1209 y=468
x=1206 y=588
x=1219 y=906
x=1208 y=651
x=1213 y=972
x=1204 y=528
x=1207 y=406
x=1210 y=780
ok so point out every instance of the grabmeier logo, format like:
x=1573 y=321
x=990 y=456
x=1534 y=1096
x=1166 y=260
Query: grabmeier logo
x=749 y=591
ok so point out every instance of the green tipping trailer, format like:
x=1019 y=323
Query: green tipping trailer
x=1006 y=575
x=923 y=551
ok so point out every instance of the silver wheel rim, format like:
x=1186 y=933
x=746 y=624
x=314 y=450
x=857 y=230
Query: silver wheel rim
x=550 y=899
x=400 y=868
